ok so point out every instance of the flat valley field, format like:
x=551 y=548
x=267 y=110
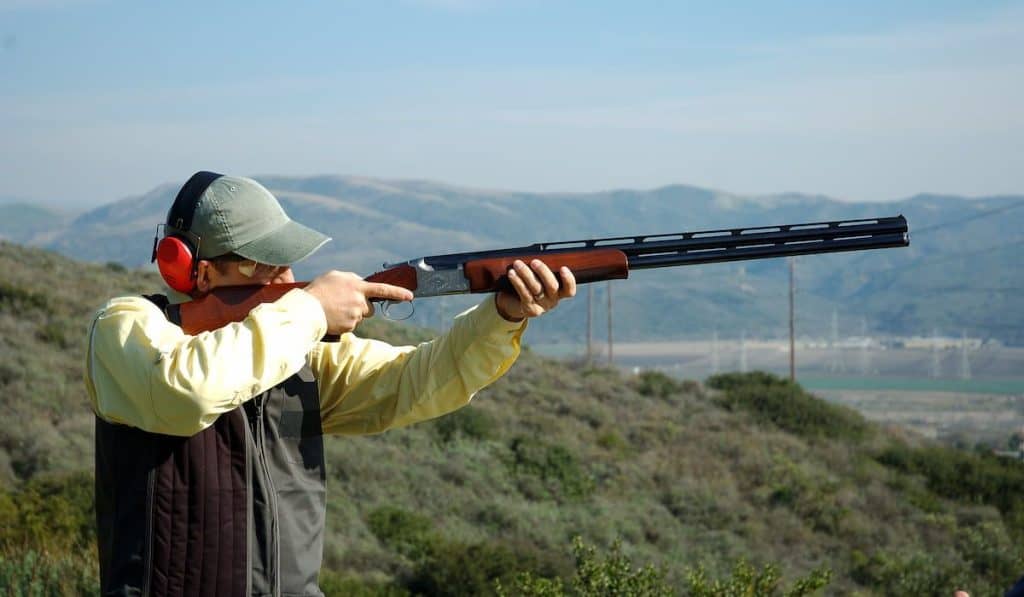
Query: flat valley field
x=969 y=395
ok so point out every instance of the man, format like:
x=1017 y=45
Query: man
x=209 y=454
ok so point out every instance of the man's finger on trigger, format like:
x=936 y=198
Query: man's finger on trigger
x=387 y=291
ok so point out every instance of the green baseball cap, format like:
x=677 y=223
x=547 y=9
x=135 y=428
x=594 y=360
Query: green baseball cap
x=239 y=215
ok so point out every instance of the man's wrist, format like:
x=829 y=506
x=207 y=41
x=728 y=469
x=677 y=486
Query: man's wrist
x=505 y=315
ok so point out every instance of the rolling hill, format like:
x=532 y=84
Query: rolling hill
x=958 y=276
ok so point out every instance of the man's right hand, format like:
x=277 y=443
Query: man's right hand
x=345 y=298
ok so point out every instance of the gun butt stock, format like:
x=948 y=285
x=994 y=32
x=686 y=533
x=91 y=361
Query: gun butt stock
x=229 y=304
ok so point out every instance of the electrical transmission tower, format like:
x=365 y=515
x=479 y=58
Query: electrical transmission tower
x=965 y=363
x=836 y=365
x=936 y=358
x=865 y=348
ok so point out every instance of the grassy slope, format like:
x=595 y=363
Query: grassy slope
x=681 y=475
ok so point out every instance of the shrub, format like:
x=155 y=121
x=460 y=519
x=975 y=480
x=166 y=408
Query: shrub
x=53 y=513
x=748 y=581
x=18 y=300
x=455 y=568
x=979 y=478
x=407 y=533
x=561 y=475
x=610 y=440
x=963 y=476
x=656 y=384
x=336 y=585
x=810 y=496
x=594 y=577
x=787 y=405
x=41 y=573
x=469 y=422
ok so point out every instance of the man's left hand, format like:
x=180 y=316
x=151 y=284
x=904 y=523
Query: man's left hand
x=535 y=290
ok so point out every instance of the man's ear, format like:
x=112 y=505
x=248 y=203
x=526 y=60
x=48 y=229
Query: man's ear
x=204 y=276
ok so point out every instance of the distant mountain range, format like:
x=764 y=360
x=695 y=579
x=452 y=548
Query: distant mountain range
x=960 y=274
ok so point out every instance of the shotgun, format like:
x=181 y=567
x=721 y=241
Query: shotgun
x=590 y=260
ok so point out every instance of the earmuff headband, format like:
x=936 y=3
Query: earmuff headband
x=177 y=253
x=184 y=207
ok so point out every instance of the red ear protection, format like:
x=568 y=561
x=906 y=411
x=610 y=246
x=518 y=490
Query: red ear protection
x=177 y=254
x=176 y=260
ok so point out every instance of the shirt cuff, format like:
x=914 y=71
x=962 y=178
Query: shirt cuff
x=485 y=317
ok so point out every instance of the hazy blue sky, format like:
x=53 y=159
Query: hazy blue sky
x=858 y=100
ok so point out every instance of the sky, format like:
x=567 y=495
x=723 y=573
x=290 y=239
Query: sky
x=866 y=100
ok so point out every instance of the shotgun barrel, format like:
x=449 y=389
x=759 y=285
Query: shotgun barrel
x=599 y=259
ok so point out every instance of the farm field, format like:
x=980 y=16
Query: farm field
x=981 y=400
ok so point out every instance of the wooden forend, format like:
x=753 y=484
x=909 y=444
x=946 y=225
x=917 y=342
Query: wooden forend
x=487 y=275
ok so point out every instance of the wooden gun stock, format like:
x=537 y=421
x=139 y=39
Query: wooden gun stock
x=229 y=304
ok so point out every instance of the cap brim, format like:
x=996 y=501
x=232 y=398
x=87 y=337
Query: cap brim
x=286 y=245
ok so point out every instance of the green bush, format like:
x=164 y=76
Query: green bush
x=440 y=566
x=656 y=384
x=811 y=496
x=469 y=422
x=407 y=533
x=967 y=477
x=615 y=575
x=595 y=576
x=53 y=514
x=456 y=568
x=559 y=472
x=336 y=585
x=899 y=575
x=787 y=405
x=18 y=300
x=32 y=573
x=749 y=582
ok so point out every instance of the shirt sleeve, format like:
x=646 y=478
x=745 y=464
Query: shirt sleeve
x=368 y=386
x=144 y=371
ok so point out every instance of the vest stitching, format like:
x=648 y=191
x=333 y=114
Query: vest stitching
x=147 y=574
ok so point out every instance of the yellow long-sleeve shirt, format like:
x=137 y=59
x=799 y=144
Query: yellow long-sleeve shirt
x=143 y=371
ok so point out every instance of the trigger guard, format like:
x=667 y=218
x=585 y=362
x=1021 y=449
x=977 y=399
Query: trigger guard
x=385 y=310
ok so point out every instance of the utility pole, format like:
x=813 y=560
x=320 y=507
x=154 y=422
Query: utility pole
x=590 y=325
x=611 y=354
x=792 y=320
x=936 y=361
x=865 y=346
x=743 y=351
x=714 y=353
x=837 y=364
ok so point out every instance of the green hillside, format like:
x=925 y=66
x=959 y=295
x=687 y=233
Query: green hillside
x=959 y=274
x=701 y=481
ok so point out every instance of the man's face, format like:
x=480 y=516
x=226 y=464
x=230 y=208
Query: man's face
x=240 y=273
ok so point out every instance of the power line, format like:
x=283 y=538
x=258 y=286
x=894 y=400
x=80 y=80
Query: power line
x=928 y=262
x=971 y=218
